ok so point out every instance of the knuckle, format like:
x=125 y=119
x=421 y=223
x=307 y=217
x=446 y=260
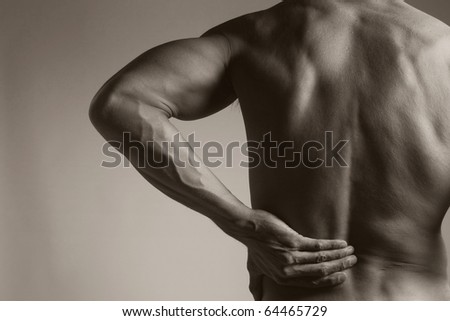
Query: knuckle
x=319 y=246
x=297 y=260
x=323 y=271
x=321 y=258
x=349 y=262
x=334 y=281
x=338 y=279
x=291 y=259
x=297 y=243
x=287 y=258
x=288 y=272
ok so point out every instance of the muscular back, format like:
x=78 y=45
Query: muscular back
x=375 y=74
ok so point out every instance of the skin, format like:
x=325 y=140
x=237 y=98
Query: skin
x=375 y=74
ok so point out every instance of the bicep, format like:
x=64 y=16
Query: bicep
x=188 y=79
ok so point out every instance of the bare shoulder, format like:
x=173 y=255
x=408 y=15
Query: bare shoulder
x=429 y=28
x=429 y=35
x=249 y=28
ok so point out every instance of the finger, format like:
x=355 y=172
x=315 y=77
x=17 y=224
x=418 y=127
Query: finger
x=322 y=269
x=329 y=281
x=308 y=244
x=309 y=283
x=299 y=257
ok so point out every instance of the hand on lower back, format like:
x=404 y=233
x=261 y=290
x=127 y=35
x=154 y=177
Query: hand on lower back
x=280 y=253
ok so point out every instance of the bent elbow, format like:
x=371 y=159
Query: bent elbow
x=101 y=109
x=114 y=110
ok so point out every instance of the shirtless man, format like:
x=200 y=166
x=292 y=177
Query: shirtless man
x=374 y=73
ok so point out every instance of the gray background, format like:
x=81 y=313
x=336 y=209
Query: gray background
x=69 y=229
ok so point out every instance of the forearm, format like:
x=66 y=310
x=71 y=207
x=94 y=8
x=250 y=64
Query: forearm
x=182 y=175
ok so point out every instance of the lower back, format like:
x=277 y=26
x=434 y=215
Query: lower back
x=401 y=254
x=373 y=278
